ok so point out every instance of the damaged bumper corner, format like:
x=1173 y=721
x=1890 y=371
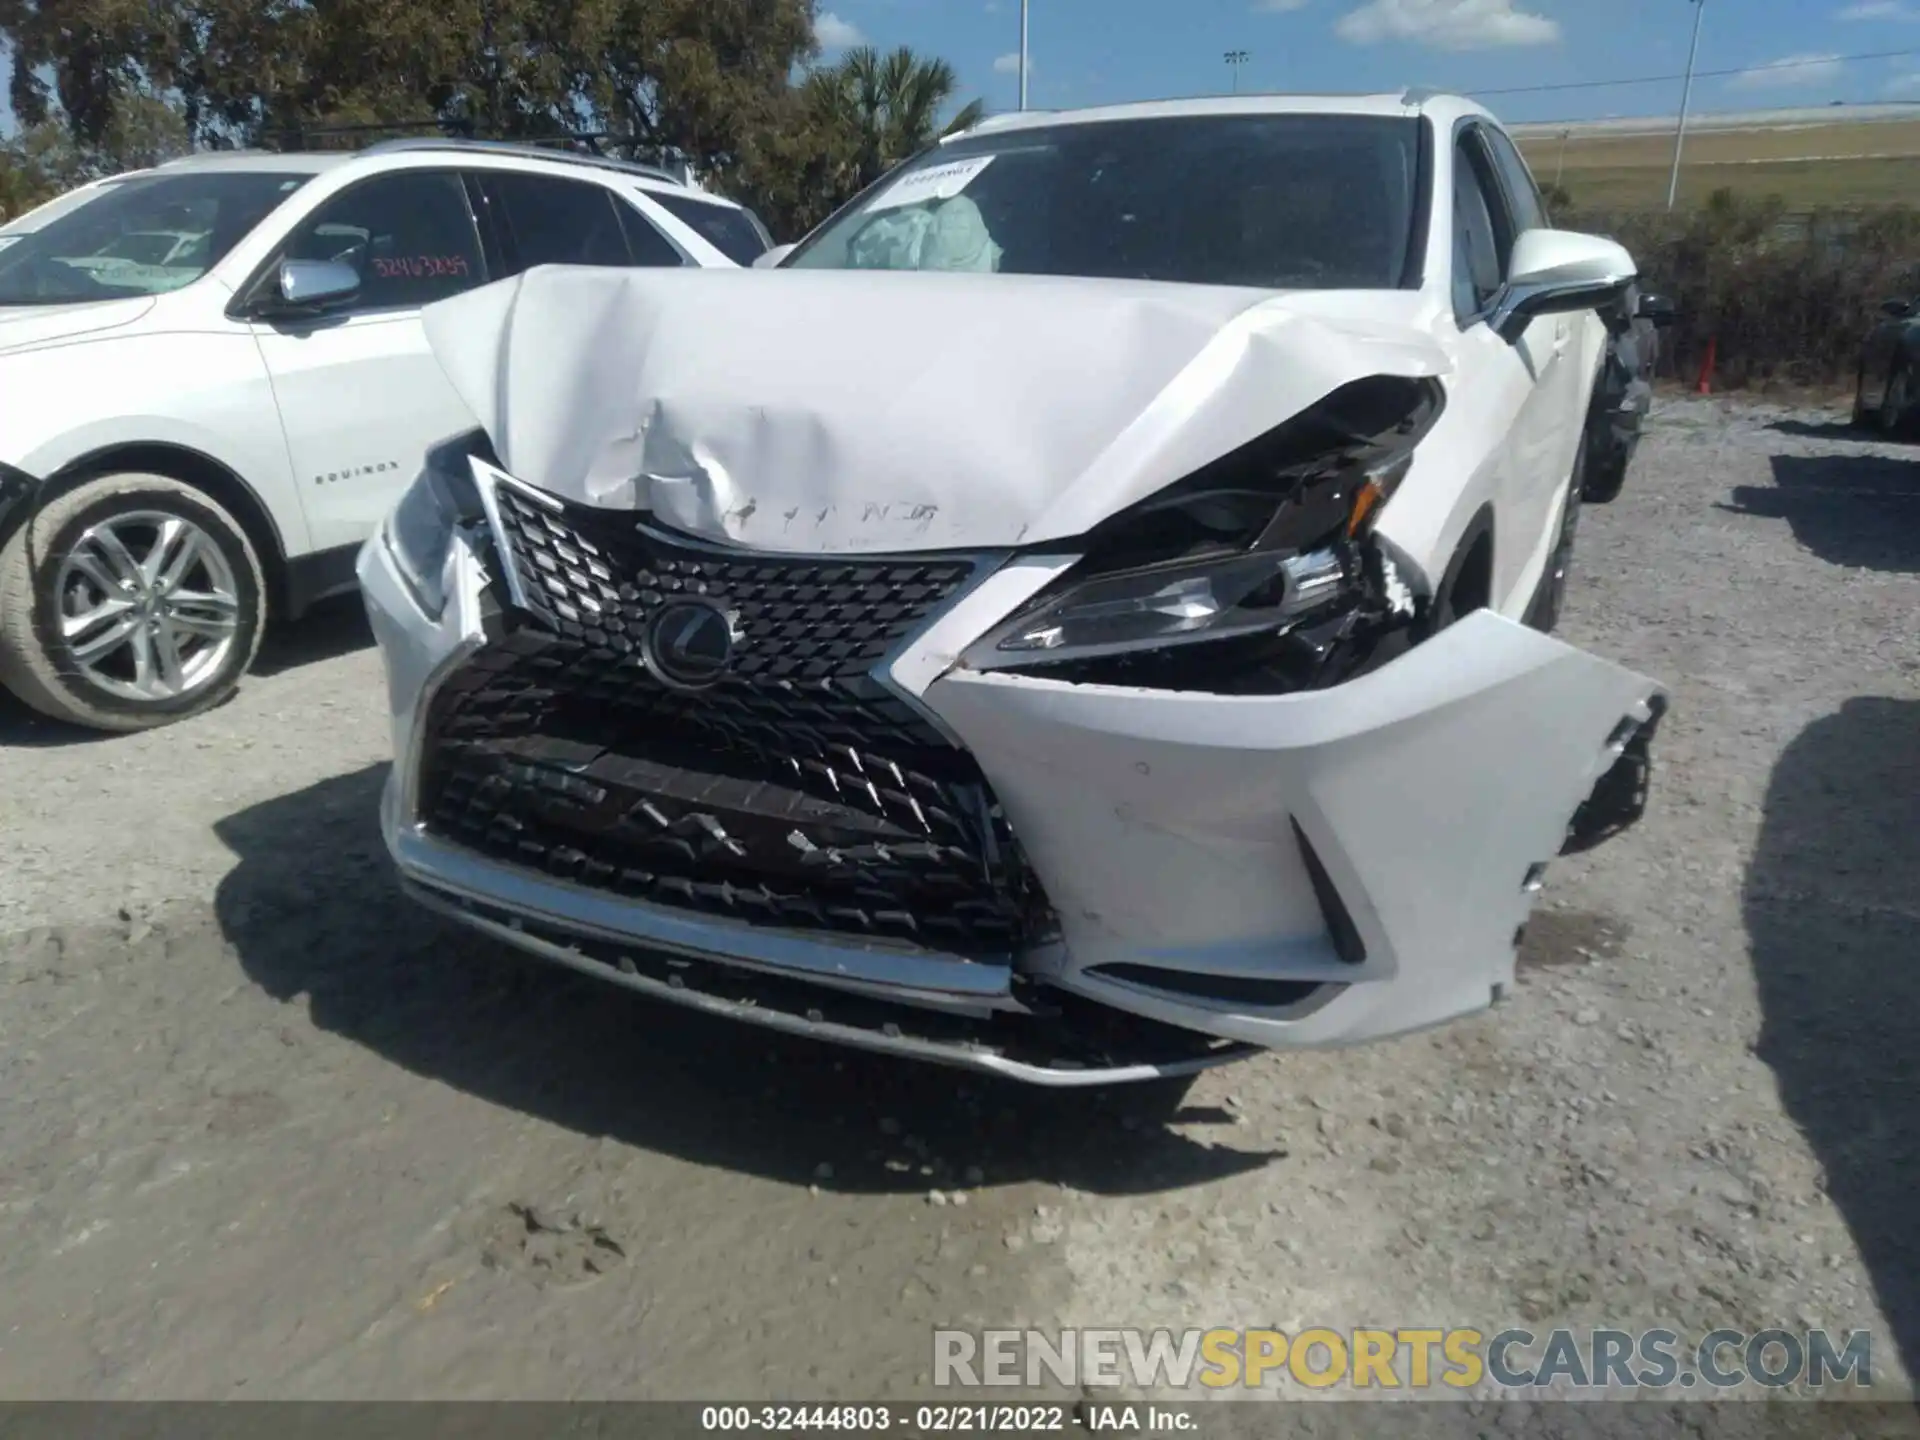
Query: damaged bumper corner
x=1312 y=869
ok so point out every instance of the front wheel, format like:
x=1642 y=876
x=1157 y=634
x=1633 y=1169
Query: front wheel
x=128 y=602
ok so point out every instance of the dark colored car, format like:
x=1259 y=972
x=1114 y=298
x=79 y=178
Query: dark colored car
x=1625 y=393
x=1883 y=396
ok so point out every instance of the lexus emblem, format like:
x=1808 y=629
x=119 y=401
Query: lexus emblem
x=689 y=644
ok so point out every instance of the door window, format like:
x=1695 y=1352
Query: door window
x=734 y=233
x=557 y=222
x=1529 y=210
x=410 y=236
x=649 y=246
x=1482 y=232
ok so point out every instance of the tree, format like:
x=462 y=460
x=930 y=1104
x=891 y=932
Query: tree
x=707 y=82
x=890 y=105
x=44 y=159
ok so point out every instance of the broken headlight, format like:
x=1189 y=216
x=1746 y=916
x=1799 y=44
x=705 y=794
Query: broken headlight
x=1273 y=539
x=419 y=530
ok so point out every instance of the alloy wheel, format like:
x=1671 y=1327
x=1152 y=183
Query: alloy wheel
x=148 y=607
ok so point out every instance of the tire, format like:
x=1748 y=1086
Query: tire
x=168 y=638
x=1550 y=600
x=1896 y=402
x=1606 y=480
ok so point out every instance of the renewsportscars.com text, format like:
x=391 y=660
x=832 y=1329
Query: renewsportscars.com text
x=1404 y=1359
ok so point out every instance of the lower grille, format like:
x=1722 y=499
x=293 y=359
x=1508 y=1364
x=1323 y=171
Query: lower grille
x=798 y=792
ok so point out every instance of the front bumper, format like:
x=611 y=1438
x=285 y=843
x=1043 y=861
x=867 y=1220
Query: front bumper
x=1226 y=873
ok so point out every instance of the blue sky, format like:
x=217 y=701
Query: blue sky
x=1093 y=51
x=1087 y=52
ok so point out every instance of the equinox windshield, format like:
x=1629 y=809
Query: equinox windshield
x=1318 y=202
x=139 y=237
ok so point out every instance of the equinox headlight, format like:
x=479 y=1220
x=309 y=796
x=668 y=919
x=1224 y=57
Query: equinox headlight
x=419 y=530
x=1267 y=539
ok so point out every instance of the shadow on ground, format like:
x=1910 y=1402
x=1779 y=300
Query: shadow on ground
x=1855 y=510
x=1838 y=428
x=332 y=628
x=1833 y=910
x=602 y=1061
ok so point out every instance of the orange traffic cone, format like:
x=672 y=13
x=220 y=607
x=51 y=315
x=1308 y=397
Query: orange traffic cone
x=1705 y=387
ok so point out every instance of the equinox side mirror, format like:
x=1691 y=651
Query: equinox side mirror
x=1559 y=272
x=773 y=257
x=1896 y=309
x=305 y=286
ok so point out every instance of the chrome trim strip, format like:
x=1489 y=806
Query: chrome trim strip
x=485 y=477
x=955 y=1056
x=911 y=978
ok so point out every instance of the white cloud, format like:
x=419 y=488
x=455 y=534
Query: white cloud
x=1009 y=64
x=1905 y=84
x=834 y=33
x=1791 y=72
x=1447 y=24
x=1880 y=10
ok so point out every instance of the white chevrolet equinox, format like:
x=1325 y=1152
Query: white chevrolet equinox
x=214 y=383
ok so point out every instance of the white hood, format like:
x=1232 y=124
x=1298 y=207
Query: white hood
x=24 y=325
x=848 y=412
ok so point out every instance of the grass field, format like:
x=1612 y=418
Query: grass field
x=1808 y=166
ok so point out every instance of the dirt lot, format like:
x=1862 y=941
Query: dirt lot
x=265 y=1131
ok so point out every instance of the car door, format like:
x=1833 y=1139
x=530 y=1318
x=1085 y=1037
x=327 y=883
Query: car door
x=360 y=395
x=1569 y=389
x=1523 y=391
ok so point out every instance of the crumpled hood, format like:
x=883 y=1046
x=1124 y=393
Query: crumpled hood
x=849 y=412
x=24 y=325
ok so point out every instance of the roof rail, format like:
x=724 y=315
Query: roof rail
x=1421 y=94
x=526 y=150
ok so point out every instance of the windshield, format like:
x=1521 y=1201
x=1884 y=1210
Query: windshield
x=139 y=237
x=1270 y=201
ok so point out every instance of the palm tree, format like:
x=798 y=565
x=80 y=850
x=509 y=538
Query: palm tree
x=888 y=106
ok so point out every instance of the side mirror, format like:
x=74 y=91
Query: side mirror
x=773 y=257
x=1658 y=310
x=305 y=285
x=1559 y=272
x=1896 y=309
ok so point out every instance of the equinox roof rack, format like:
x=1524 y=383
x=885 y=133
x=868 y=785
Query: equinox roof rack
x=529 y=149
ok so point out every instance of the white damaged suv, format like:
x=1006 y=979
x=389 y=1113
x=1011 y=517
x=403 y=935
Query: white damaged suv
x=213 y=384
x=1082 y=614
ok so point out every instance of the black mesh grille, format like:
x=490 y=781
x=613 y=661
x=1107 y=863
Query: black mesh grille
x=797 y=792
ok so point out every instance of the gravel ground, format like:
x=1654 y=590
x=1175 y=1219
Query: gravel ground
x=266 y=1131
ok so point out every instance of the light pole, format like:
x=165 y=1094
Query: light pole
x=1560 y=170
x=1235 y=59
x=1023 y=54
x=1686 y=96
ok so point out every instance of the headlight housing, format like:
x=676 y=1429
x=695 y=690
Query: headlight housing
x=1270 y=542
x=419 y=530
